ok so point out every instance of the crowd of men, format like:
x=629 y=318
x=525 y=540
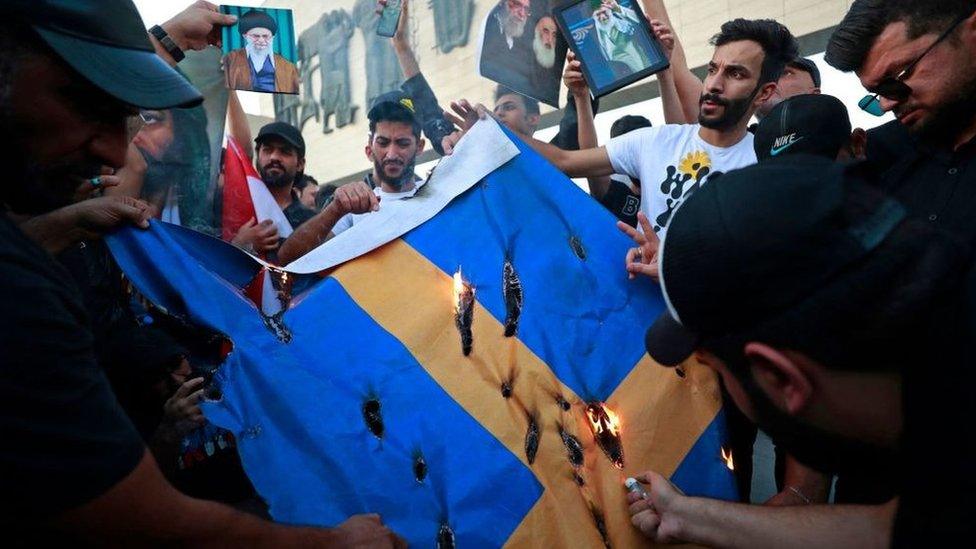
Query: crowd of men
x=823 y=272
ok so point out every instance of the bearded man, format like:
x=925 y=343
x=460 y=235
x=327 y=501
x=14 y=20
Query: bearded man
x=394 y=144
x=256 y=67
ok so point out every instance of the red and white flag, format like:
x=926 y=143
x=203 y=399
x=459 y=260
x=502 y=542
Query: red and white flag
x=246 y=197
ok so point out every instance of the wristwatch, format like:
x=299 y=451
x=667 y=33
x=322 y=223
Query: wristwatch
x=171 y=48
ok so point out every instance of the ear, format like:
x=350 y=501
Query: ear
x=533 y=120
x=369 y=150
x=301 y=165
x=764 y=94
x=785 y=383
x=859 y=144
x=420 y=146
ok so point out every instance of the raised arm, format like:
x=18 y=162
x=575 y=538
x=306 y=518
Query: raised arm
x=237 y=126
x=674 y=112
x=586 y=126
x=592 y=162
x=688 y=86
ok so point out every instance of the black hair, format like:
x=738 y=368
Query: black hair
x=304 y=181
x=874 y=315
x=393 y=112
x=777 y=42
x=531 y=105
x=627 y=124
x=866 y=20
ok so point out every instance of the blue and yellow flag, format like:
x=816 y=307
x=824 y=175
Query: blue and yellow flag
x=360 y=397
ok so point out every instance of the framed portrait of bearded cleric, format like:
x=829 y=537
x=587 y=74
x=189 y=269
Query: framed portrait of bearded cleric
x=260 y=52
x=521 y=49
x=613 y=41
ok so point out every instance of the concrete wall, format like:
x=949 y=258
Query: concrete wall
x=339 y=155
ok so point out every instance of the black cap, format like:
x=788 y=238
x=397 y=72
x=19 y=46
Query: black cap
x=254 y=19
x=805 y=124
x=396 y=99
x=755 y=242
x=282 y=130
x=106 y=42
x=808 y=67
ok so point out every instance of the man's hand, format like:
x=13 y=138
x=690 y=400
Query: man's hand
x=664 y=35
x=655 y=515
x=129 y=178
x=106 y=179
x=465 y=116
x=97 y=216
x=366 y=531
x=182 y=413
x=574 y=79
x=643 y=259
x=198 y=26
x=355 y=198
x=260 y=238
x=450 y=141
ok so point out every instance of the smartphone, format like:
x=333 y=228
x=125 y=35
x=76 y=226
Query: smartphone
x=389 y=19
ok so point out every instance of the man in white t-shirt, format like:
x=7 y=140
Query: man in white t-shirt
x=672 y=161
x=394 y=144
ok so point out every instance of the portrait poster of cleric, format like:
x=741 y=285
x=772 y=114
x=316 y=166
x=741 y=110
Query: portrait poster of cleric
x=613 y=42
x=522 y=49
x=260 y=51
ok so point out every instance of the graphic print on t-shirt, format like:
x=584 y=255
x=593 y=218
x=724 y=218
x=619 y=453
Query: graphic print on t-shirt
x=681 y=181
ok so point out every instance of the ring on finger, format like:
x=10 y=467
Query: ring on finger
x=96 y=181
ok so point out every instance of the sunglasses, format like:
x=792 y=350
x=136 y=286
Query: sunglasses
x=895 y=88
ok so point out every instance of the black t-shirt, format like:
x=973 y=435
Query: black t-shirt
x=64 y=439
x=938 y=186
x=622 y=202
x=296 y=213
x=936 y=507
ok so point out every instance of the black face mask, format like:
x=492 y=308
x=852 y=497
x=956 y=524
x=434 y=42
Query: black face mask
x=816 y=448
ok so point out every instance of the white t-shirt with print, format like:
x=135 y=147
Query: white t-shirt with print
x=671 y=162
x=387 y=200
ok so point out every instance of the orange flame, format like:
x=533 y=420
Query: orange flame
x=727 y=458
x=603 y=419
x=462 y=290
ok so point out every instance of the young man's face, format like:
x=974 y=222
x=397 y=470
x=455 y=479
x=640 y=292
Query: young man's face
x=259 y=39
x=732 y=93
x=510 y=110
x=64 y=130
x=278 y=162
x=794 y=82
x=942 y=84
x=393 y=149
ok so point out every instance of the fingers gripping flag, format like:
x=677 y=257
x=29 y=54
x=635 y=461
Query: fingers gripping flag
x=363 y=400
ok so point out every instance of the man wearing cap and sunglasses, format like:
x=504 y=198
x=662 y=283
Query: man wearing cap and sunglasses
x=918 y=60
x=75 y=471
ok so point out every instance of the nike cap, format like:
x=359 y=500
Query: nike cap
x=106 y=42
x=814 y=124
x=756 y=243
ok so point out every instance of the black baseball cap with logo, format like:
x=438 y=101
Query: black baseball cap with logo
x=757 y=242
x=814 y=124
x=395 y=100
x=106 y=42
x=284 y=131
